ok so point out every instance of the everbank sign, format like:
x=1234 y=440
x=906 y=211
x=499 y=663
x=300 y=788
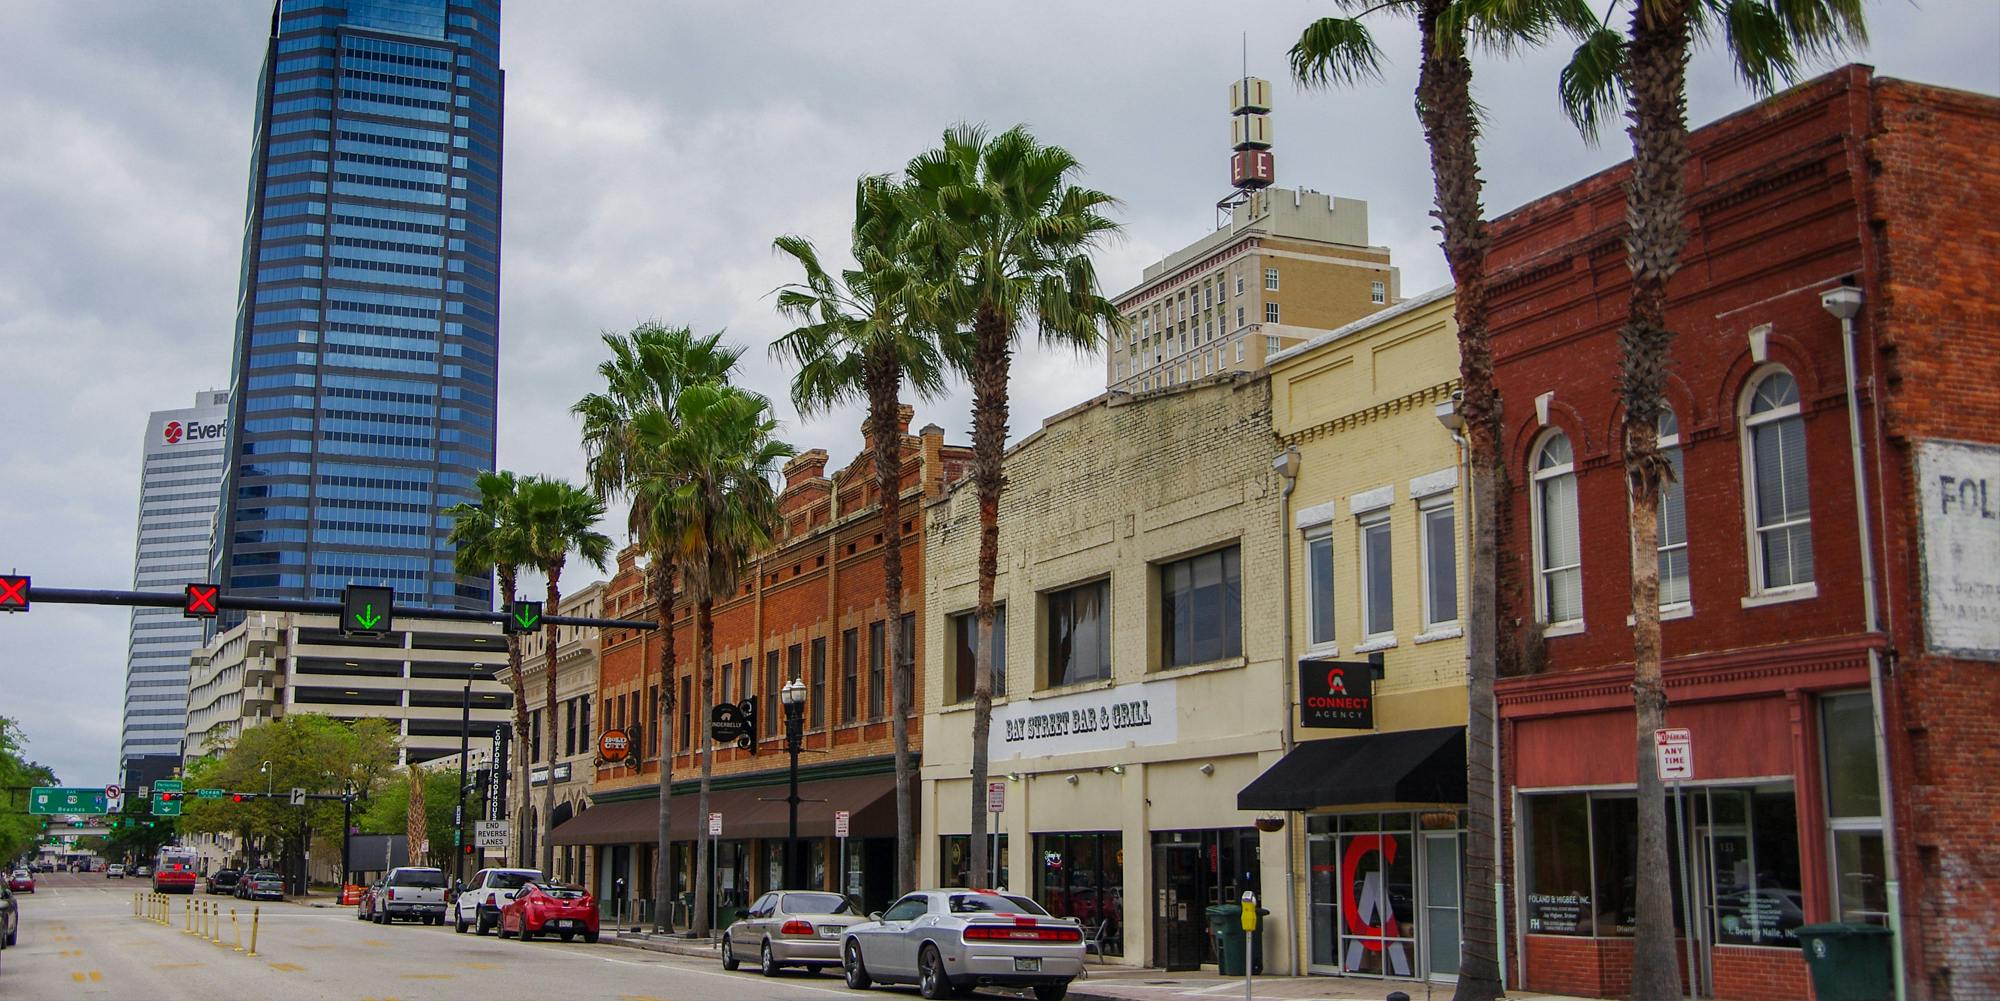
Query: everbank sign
x=176 y=432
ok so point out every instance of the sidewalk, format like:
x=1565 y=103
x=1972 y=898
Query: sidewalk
x=1151 y=985
x=673 y=945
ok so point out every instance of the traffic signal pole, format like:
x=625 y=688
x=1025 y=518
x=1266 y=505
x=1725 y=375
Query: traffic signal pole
x=179 y=599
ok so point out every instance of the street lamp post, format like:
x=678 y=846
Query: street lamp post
x=793 y=696
x=464 y=751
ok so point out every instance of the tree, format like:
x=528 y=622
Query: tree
x=1767 y=41
x=489 y=537
x=645 y=374
x=19 y=831
x=1341 y=50
x=388 y=810
x=717 y=462
x=1001 y=237
x=857 y=339
x=557 y=518
x=308 y=751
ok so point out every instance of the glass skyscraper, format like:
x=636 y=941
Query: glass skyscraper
x=367 y=330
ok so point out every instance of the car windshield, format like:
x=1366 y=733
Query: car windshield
x=426 y=878
x=992 y=903
x=512 y=880
x=817 y=903
x=561 y=892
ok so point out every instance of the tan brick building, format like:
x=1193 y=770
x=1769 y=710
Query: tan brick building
x=812 y=608
x=1140 y=682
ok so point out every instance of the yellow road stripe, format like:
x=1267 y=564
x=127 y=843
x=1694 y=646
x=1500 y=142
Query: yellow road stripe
x=95 y=975
x=288 y=967
x=430 y=976
x=76 y=975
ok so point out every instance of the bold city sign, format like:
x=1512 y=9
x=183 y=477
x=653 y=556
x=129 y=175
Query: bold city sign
x=1337 y=694
x=523 y=616
x=13 y=593
x=175 y=432
x=65 y=799
x=614 y=745
x=1103 y=720
x=1674 y=753
x=367 y=610
x=1958 y=486
x=200 y=601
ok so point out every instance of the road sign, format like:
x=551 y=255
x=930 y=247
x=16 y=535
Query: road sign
x=200 y=602
x=13 y=593
x=167 y=785
x=523 y=616
x=111 y=791
x=167 y=803
x=490 y=833
x=996 y=797
x=715 y=825
x=298 y=796
x=208 y=793
x=840 y=823
x=1676 y=753
x=64 y=799
x=367 y=610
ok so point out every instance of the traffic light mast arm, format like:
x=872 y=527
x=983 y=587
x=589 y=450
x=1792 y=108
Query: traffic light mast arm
x=175 y=599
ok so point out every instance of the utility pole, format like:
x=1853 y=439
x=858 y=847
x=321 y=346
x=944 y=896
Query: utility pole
x=346 y=836
x=464 y=751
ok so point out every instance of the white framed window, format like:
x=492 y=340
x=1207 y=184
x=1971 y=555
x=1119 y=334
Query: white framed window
x=1239 y=351
x=1672 y=518
x=1239 y=283
x=1270 y=312
x=1239 y=317
x=1271 y=279
x=1319 y=588
x=1270 y=346
x=1438 y=535
x=1774 y=473
x=1558 y=551
x=1378 y=605
x=1378 y=292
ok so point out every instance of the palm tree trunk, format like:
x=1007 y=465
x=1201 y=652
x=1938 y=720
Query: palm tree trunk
x=1451 y=128
x=521 y=745
x=989 y=440
x=885 y=441
x=549 y=788
x=704 y=641
x=1655 y=73
x=663 y=873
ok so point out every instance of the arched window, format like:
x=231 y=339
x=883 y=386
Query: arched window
x=1558 y=554
x=1673 y=517
x=1774 y=447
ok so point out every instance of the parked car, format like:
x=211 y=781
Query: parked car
x=22 y=881
x=948 y=941
x=411 y=892
x=141 y=869
x=10 y=918
x=477 y=902
x=540 y=908
x=790 y=928
x=260 y=885
x=114 y=871
x=224 y=880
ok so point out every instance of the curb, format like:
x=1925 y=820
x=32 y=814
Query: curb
x=690 y=948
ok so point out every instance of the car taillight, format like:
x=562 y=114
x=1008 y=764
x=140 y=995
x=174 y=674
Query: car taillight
x=796 y=927
x=392 y=894
x=1002 y=933
x=492 y=900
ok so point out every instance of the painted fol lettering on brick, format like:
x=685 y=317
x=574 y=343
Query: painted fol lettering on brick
x=1960 y=494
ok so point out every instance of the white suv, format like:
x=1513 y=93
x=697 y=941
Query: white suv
x=477 y=903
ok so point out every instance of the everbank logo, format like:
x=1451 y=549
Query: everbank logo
x=175 y=431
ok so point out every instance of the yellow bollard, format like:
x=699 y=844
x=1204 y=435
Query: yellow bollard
x=215 y=923
x=187 y=917
x=254 y=911
x=201 y=925
x=237 y=929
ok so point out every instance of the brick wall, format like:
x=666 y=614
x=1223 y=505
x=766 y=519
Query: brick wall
x=1602 y=967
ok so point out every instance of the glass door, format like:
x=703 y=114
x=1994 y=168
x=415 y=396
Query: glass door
x=1377 y=883
x=1324 y=902
x=1441 y=903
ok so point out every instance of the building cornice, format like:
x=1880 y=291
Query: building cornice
x=1700 y=677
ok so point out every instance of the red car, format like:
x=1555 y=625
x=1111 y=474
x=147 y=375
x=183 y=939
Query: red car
x=541 y=908
x=24 y=882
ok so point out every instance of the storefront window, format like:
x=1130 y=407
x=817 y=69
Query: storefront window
x=957 y=856
x=1559 y=896
x=1082 y=876
x=1854 y=808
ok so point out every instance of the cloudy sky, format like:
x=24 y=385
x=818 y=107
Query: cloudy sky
x=653 y=152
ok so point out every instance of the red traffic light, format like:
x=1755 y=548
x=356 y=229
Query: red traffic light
x=201 y=601
x=167 y=797
x=13 y=593
x=237 y=797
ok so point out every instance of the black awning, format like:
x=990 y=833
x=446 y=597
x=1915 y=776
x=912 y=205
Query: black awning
x=1405 y=766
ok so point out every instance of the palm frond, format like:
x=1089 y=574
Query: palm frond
x=1591 y=88
x=1335 y=51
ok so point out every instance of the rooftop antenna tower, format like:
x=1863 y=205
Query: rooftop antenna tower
x=1250 y=165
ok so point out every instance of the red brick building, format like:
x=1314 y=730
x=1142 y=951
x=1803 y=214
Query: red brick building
x=812 y=608
x=1883 y=193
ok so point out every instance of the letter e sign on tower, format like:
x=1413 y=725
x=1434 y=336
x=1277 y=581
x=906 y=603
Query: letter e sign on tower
x=367 y=610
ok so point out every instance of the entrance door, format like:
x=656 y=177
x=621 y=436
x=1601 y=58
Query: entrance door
x=1179 y=926
x=1325 y=901
x=1441 y=903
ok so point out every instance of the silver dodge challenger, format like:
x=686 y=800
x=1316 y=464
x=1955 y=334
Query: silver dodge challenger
x=948 y=941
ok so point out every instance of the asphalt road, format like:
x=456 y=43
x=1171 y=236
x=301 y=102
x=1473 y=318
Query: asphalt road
x=79 y=939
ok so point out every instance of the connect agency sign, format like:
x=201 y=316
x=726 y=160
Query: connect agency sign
x=176 y=432
x=1337 y=694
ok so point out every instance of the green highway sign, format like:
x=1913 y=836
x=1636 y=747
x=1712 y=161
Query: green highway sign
x=167 y=785
x=167 y=804
x=208 y=793
x=65 y=799
x=366 y=610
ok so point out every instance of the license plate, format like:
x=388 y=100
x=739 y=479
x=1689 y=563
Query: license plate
x=1027 y=966
x=830 y=932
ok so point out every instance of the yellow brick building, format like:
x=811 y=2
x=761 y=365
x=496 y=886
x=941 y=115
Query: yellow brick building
x=1373 y=783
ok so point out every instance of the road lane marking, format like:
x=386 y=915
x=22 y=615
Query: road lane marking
x=641 y=997
x=177 y=966
x=480 y=966
x=711 y=973
x=430 y=976
x=288 y=968
x=376 y=942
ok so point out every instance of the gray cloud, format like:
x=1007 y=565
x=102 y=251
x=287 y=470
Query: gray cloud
x=653 y=152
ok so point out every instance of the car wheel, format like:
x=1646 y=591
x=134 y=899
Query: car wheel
x=857 y=972
x=932 y=982
x=480 y=925
x=527 y=934
x=767 y=963
x=1051 y=992
x=590 y=937
x=13 y=936
x=457 y=920
x=729 y=960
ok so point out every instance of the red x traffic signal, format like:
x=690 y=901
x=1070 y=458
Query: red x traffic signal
x=166 y=797
x=200 y=603
x=13 y=593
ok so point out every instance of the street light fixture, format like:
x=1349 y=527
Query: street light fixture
x=793 y=698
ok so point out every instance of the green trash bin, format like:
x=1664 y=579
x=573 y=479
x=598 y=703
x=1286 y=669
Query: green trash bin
x=1849 y=962
x=1225 y=922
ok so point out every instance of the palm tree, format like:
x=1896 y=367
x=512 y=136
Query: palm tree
x=488 y=538
x=646 y=372
x=1767 y=40
x=557 y=518
x=718 y=456
x=1341 y=50
x=1002 y=236
x=856 y=339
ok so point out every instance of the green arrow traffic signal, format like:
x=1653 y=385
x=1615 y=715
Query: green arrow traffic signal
x=523 y=616
x=367 y=609
x=368 y=619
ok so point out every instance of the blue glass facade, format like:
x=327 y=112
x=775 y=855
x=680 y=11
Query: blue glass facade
x=367 y=329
